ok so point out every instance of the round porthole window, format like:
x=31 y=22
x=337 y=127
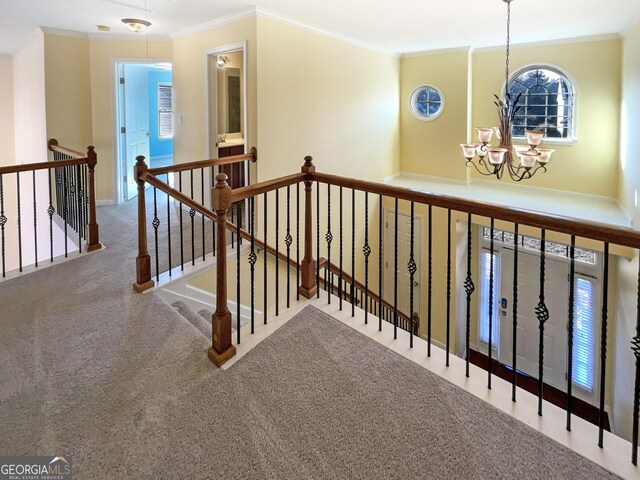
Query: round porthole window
x=426 y=103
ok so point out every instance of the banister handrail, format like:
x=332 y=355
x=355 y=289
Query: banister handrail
x=571 y=226
x=243 y=193
x=53 y=145
x=211 y=162
x=181 y=197
x=28 y=167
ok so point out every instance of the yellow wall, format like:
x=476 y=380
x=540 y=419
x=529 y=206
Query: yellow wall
x=190 y=141
x=589 y=166
x=68 y=90
x=431 y=148
x=326 y=98
x=102 y=53
x=627 y=275
x=7 y=129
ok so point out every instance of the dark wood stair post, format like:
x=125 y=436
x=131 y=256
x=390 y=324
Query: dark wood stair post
x=221 y=348
x=143 y=260
x=308 y=287
x=93 y=239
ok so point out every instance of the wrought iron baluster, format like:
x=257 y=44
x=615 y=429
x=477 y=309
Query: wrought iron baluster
x=353 y=251
x=491 y=279
x=3 y=222
x=542 y=314
x=213 y=223
x=514 y=370
x=50 y=212
x=181 y=226
x=202 y=203
x=252 y=262
x=35 y=219
x=635 y=348
x=603 y=343
x=20 y=223
x=265 y=253
x=340 y=285
x=329 y=238
x=192 y=214
x=298 y=241
x=572 y=289
x=448 y=340
x=169 y=227
x=366 y=250
x=238 y=281
x=318 y=238
x=412 y=272
x=429 y=281
x=78 y=206
x=156 y=224
x=395 y=273
x=288 y=240
x=278 y=252
x=380 y=263
x=469 y=287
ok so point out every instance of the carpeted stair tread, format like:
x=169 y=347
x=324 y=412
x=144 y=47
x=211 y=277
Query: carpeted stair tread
x=193 y=318
x=206 y=314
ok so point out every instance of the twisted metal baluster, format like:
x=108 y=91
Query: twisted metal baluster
x=340 y=284
x=429 y=282
x=603 y=344
x=329 y=238
x=3 y=222
x=35 y=219
x=253 y=258
x=353 y=252
x=469 y=287
x=192 y=214
x=50 y=212
x=278 y=252
x=491 y=275
x=156 y=223
x=395 y=274
x=380 y=264
x=542 y=314
x=265 y=252
x=412 y=272
x=366 y=250
x=448 y=340
x=514 y=370
x=288 y=240
x=635 y=348
x=572 y=289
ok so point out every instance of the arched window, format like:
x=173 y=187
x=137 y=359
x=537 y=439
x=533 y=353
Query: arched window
x=547 y=102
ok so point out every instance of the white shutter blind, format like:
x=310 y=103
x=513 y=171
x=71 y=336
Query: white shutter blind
x=165 y=111
x=584 y=334
x=483 y=305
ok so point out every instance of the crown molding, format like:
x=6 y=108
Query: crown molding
x=215 y=23
x=442 y=51
x=268 y=14
x=630 y=24
x=561 y=41
x=64 y=33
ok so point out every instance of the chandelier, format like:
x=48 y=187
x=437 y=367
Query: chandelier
x=521 y=162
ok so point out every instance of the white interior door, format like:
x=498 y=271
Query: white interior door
x=136 y=122
x=404 y=254
x=555 y=331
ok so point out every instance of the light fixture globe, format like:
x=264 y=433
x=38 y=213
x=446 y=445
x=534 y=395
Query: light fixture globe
x=222 y=61
x=135 y=24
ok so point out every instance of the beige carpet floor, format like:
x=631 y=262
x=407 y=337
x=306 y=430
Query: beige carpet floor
x=121 y=382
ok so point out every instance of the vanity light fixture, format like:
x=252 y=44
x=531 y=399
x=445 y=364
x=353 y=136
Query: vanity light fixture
x=222 y=61
x=136 y=25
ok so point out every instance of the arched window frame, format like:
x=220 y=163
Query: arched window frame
x=571 y=139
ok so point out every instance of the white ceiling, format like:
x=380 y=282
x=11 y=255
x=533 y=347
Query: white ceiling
x=401 y=26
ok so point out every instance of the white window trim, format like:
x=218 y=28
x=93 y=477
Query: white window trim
x=573 y=139
x=165 y=137
x=413 y=110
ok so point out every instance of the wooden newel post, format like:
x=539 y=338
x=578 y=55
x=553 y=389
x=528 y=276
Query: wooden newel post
x=308 y=287
x=143 y=260
x=221 y=348
x=93 y=239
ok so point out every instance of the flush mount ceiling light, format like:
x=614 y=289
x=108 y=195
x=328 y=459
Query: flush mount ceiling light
x=136 y=25
x=222 y=61
x=528 y=159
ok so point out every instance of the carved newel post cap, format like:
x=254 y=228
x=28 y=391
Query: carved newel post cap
x=221 y=180
x=308 y=161
x=140 y=159
x=91 y=148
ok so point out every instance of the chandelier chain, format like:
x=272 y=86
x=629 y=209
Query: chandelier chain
x=506 y=73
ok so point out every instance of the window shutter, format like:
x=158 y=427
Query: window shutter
x=584 y=326
x=483 y=305
x=165 y=111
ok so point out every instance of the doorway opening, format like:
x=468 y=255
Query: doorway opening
x=145 y=124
